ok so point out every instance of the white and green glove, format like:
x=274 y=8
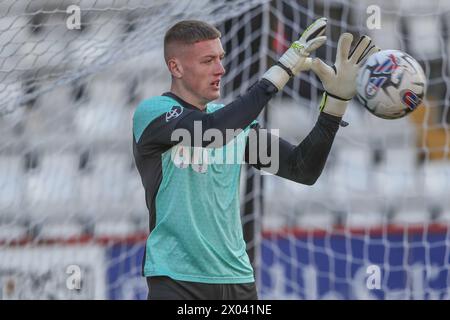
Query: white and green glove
x=295 y=59
x=339 y=81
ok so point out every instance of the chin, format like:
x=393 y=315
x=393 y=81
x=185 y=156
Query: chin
x=215 y=96
x=211 y=96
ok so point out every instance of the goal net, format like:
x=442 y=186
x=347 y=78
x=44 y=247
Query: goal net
x=73 y=220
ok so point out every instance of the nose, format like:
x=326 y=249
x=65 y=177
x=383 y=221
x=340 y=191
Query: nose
x=220 y=69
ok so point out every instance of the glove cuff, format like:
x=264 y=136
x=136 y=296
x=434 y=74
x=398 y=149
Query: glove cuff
x=277 y=76
x=333 y=105
x=336 y=97
x=288 y=71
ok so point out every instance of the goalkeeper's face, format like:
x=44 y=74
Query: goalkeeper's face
x=202 y=69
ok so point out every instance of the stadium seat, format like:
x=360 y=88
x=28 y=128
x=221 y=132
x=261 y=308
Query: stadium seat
x=44 y=48
x=390 y=25
x=412 y=212
x=95 y=41
x=104 y=191
x=437 y=181
x=421 y=45
x=397 y=175
x=52 y=188
x=14 y=35
x=61 y=230
x=283 y=196
x=116 y=228
x=12 y=231
x=292 y=118
x=52 y=118
x=364 y=214
x=11 y=124
x=11 y=186
x=316 y=217
x=104 y=120
x=351 y=173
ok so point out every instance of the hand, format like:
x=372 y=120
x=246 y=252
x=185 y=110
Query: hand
x=339 y=81
x=295 y=59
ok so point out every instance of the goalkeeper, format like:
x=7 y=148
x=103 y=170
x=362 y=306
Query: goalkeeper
x=196 y=249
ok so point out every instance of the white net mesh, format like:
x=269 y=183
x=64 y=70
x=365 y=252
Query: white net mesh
x=70 y=196
x=381 y=205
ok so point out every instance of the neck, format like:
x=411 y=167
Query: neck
x=187 y=96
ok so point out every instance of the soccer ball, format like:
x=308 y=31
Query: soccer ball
x=391 y=84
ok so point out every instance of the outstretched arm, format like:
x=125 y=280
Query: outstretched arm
x=302 y=163
x=156 y=130
x=305 y=162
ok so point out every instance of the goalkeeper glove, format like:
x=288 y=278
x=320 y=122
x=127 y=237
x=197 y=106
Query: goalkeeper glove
x=339 y=81
x=295 y=59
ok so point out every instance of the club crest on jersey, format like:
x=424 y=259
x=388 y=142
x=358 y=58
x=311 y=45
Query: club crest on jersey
x=174 y=113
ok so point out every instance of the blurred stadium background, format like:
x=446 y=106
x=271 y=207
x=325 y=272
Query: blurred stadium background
x=70 y=194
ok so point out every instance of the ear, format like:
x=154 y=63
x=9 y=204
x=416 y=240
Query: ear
x=175 y=67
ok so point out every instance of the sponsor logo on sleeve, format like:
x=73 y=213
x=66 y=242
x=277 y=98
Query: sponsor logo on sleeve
x=174 y=113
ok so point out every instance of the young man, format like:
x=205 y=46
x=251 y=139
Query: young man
x=196 y=249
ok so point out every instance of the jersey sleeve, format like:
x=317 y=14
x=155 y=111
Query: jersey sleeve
x=151 y=109
x=156 y=119
x=302 y=163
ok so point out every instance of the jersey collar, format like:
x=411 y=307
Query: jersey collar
x=183 y=103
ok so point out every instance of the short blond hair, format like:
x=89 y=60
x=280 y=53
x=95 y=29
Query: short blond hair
x=189 y=32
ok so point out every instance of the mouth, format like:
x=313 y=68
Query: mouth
x=216 y=84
